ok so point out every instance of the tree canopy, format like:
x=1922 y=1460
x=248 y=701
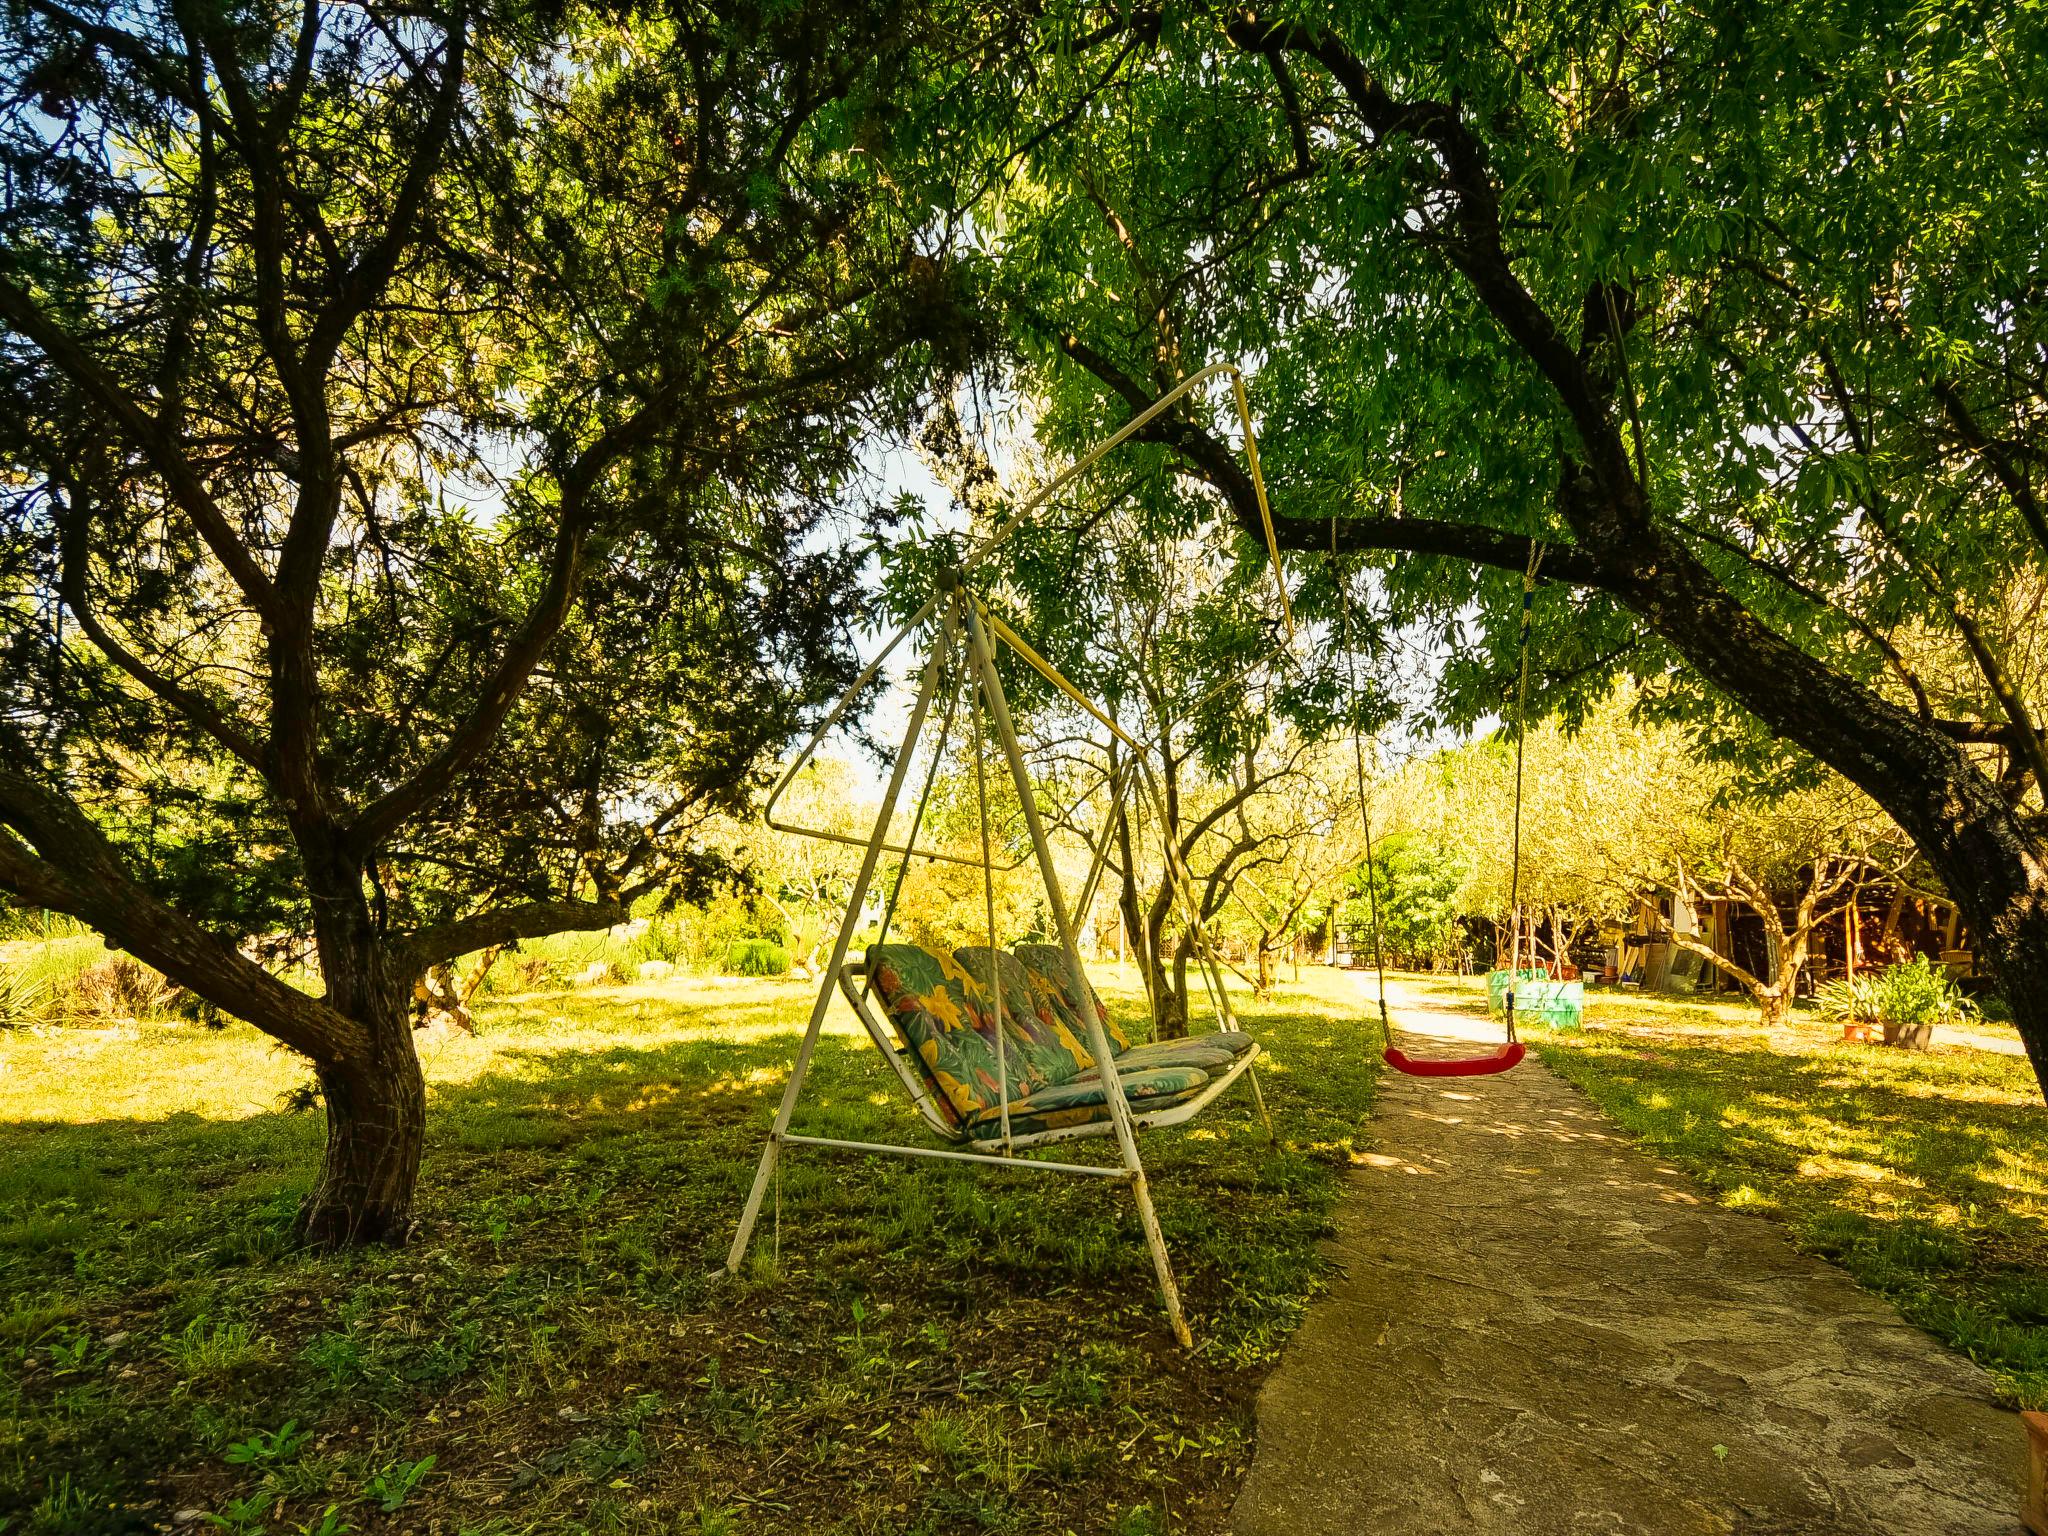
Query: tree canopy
x=1731 y=333
x=419 y=427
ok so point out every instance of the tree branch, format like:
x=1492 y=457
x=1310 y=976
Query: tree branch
x=1217 y=464
x=52 y=855
x=183 y=482
x=504 y=925
x=189 y=702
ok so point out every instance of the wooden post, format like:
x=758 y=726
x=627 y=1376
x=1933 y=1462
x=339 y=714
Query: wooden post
x=2035 y=1511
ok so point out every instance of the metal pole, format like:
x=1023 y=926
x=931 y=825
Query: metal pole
x=988 y=896
x=769 y=1153
x=983 y=660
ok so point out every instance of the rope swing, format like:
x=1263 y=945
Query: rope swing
x=1511 y=1053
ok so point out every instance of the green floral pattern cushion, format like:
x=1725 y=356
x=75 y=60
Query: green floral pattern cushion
x=1033 y=1026
x=1084 y=1101
x=1213 y=1052
x=941 y=1015
x=1045 y=965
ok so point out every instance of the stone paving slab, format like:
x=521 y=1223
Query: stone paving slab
x=1537 y=1329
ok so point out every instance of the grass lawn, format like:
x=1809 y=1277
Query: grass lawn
x=1923 y=1175
x=926 y=1349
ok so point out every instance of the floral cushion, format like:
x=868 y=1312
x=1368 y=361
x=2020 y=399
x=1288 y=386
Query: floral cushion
x=1213 y=1052
x=1084 y=1100
x=1045 y=966
x=1033 y=1025
x=941 y=1015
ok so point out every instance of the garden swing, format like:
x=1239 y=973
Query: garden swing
x=1511 y=1052
x=1001 y=1052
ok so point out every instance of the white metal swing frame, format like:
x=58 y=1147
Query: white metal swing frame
x=957 y=622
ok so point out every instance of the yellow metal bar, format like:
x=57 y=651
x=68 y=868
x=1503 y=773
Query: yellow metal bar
x=1251 y=453
x=1049 y=672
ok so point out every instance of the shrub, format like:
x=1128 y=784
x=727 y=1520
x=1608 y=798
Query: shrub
x=23 y=999
x=1900 y=997
x=532 y=973
x=1848 y=1000
x=1917 y=993
x=120 y=988
x=757 y=957
x=665 y=937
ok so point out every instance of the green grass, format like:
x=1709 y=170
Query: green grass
x=1925 y=1176
x=923 y=1349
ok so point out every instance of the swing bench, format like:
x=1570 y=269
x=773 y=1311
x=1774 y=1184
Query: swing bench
x=1044 y=1085
x=1004 y=1051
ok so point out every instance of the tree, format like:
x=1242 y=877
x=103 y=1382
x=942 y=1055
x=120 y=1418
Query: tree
x=1416 y=883
x=1163 y=633
x=806 y=878
x=416 y=425
x=1731 y=332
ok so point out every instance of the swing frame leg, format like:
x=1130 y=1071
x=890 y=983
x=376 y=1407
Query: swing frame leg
x=1259 y=1099
x=771 y=1153
x=981 y=657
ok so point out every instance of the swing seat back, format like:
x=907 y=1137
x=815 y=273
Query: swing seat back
x=944 y=1018
x=1509 y=1055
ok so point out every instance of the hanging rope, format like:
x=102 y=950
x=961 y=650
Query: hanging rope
x=1372 y=890
x=1521 y=738
x=1513 y=1051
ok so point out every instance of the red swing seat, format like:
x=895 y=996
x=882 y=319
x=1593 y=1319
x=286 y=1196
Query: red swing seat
x=1509 y=1055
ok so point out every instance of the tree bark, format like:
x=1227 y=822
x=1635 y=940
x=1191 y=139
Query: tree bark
x=1268 y=971
x=376 y=1096
x=376 y=1127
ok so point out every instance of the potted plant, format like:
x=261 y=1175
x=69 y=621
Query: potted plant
x=1851 y=1001
x=1912 y=998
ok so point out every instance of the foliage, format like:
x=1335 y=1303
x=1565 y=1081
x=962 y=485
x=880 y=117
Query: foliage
x=1730 y=338
x=1919 y=992
x=757 y=957
x=1417 y=883
x=23 y=1000
x=1902 y=996
x=1848 y=1000
x=428 y=473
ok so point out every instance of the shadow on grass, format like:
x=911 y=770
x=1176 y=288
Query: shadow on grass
x=1925 y=1177
x=555 y=1339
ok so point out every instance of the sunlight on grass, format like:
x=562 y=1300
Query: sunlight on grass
x=554 y=1339
x=1924 y=1175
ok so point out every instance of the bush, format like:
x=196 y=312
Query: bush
x=1848 y=1000
x=757 y=957
x=120 y=987
x=1902 y=998
x=23 y=1000
x=1917 y=993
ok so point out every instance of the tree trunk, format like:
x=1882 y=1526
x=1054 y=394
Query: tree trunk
x=376 y=1096
x=376 y=1123
x=1173 y=1003
x=1773 y=1005
x=1268 y=969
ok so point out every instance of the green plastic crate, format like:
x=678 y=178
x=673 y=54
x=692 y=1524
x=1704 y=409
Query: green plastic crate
x=1497 y=983
x=1560 y=1004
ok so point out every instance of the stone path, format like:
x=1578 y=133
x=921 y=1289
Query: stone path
x=1537 y=1329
